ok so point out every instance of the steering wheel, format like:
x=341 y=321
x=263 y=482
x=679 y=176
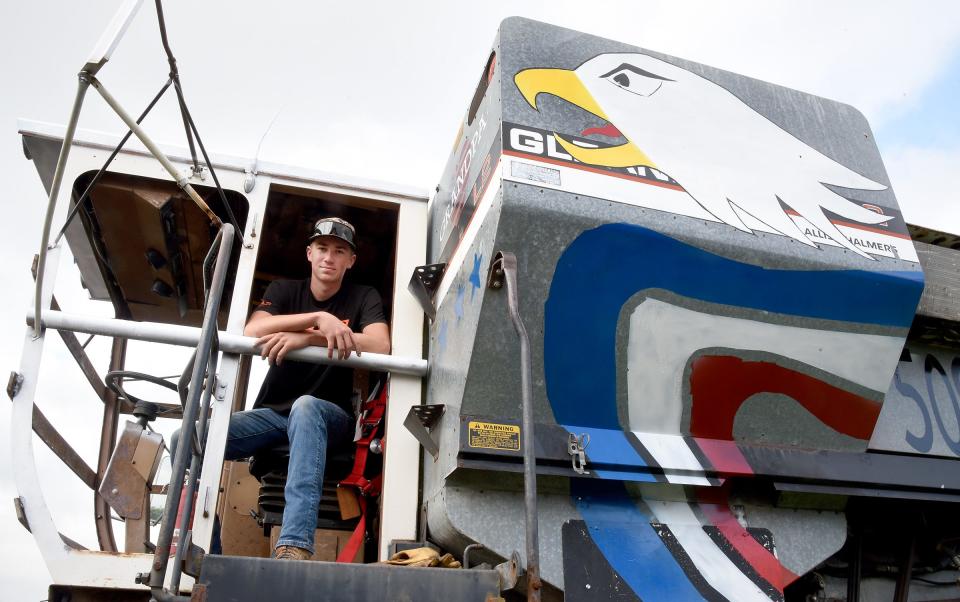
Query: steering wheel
x=114 y=381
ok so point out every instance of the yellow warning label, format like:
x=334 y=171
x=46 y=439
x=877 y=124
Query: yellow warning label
x=488 y=435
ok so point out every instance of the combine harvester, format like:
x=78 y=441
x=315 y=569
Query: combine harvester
x=678 y=340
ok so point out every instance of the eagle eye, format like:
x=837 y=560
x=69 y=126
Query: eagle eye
x=635 y=80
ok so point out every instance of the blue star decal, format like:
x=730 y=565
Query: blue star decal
x=475 y=275
x=458 y=304
x=442 y=336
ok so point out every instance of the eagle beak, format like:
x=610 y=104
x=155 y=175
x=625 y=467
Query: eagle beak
x=559 y=82
x=566 y=84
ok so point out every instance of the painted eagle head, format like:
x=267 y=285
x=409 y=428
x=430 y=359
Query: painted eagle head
x=733 y=161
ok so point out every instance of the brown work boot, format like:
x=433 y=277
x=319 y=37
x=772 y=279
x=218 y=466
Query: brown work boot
x=292 y=553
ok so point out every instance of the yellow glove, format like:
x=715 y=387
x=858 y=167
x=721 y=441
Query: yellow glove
x=416 y=557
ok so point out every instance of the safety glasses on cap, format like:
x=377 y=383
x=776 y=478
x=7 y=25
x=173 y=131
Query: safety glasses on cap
x=332 y=226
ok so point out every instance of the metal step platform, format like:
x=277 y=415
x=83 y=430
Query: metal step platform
x=234 y=579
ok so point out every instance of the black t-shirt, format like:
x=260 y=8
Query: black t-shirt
x=357 y=306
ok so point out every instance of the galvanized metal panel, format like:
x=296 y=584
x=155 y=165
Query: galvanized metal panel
x=941 y=291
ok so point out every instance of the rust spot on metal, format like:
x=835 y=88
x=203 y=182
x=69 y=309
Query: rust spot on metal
x=199 y=593
x=128 y=554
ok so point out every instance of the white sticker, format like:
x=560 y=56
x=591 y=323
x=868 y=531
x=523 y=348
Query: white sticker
x=535 y=173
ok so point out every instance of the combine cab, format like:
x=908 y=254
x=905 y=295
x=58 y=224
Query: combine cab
x=679 y=347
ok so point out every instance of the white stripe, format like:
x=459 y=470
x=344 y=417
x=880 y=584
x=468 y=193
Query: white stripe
x=717 y=569
x=672 y=453
x=483 y=207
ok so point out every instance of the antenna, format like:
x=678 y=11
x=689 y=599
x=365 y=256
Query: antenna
x=250 y=174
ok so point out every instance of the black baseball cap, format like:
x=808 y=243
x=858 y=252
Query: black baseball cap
x=334 y=226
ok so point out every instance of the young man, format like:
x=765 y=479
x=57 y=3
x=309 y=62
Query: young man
x=309 y=404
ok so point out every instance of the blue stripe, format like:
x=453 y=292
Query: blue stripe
x=624 y=536
x=604 y=267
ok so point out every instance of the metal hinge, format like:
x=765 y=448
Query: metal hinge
x=577 y=447
x=206 y=502
x=14 y=384
x=510 y=572
x=20 y=512
x=193 y=557
x=248 y=241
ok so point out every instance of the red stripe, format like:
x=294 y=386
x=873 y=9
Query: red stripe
x=720 y=384
x=725 y=457
x=716 y=509
x=607 y=130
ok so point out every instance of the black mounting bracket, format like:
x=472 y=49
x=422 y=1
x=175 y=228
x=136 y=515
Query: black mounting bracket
x=421 y=418
x=423 y=284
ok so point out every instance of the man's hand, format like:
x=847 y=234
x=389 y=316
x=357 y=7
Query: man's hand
x=277 y=345
x=338 y=335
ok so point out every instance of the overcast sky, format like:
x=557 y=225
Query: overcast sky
x=377 y=89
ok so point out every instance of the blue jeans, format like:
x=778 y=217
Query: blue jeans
x=312 y=426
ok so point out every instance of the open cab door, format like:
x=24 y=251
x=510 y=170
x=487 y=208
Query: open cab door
x=143 y=246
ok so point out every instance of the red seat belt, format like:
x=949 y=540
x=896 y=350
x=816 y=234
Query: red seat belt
x=370 y=419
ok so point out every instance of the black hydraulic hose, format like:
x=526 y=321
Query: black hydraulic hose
x=113 y=155
x=203 y=150
x=208 y=264
x=175 y=76
x=856 y=565
x=188 y=124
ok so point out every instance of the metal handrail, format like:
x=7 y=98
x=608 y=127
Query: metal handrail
x=201 y=368
x=503 y=270
x=189 y=336
x=198 y=440
x=196 y=454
